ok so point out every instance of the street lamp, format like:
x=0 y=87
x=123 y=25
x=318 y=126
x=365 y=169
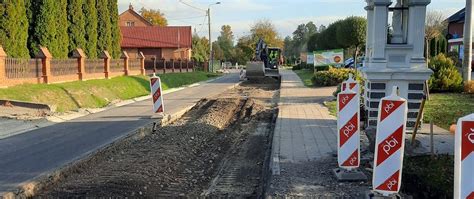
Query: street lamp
x=211 y=61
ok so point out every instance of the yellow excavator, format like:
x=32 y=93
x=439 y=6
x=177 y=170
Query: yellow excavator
x=265 y=64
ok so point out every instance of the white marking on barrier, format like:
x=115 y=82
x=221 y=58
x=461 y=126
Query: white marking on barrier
x=157 y=94
x=390 y=143
x=464 y=158
x=348 y=136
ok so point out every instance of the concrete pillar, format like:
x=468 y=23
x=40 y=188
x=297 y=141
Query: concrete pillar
x=369 y=33
x=142 y=63
x=81 y=58
x=467 y=61
x=106 y=56
x=416 y=30
x=380 y=18
x=3 y=74
x=45 y=57
x=125 y=58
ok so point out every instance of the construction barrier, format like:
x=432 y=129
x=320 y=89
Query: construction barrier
x=348 y=137
x=464 y=158
x=155 y=84
x=390 y=143
x=353 y=85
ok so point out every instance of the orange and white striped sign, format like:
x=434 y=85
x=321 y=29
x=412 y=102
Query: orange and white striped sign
x=348 y=136
x=390 y=143
x=464 y=158
x=353 y=85
x=155 y=84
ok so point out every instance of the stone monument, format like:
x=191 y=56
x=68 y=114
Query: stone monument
x=395 y=59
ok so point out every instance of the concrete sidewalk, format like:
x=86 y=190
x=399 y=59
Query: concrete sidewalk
x=29 y=155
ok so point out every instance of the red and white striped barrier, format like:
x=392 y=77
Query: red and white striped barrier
x=155 y=84
x=353 y=85
x=464 y=158
x=348 y=137
x=390 y=143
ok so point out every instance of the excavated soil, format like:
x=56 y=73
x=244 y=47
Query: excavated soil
x=220 y=148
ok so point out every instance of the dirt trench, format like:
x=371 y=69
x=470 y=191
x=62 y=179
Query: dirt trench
x=220 y=148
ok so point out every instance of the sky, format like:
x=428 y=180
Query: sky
x=242 y=14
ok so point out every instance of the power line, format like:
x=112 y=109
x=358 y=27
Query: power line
x=194 y=17
x=192 y=6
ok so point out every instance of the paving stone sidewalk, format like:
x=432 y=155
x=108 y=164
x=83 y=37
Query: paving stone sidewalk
x=304 y=145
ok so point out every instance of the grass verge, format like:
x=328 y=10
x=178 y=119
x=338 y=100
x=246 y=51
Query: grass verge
x=443 y=109
x=96 y=93
x=305 y=76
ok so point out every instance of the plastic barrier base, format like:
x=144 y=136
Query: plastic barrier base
x=344 y=175
x=374 y=195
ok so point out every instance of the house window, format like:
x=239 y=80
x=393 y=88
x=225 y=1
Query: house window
x=130 y=23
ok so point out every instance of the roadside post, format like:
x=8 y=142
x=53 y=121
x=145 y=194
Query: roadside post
x=464 y=158
x=390 y=143
x=348 y=136
x=353 y=85
x=157 y=96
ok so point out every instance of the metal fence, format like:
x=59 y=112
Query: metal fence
x=22 y=68
x=116 y=65
x=94 y=65
x=134 y=64
x=61 y=67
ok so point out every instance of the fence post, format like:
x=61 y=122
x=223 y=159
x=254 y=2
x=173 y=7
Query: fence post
x=81 y=67
x=142 y=63
x=180 y=65
x=45 y=57
x=3 y=74
x=106 y=56
x=164 y=65
x=172 y=65
x=187 y=65
x=125 y=58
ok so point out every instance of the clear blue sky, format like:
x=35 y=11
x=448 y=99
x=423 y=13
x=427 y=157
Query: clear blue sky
x=286 y=15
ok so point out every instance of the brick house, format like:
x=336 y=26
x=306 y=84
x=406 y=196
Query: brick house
x=139 y=35
x=456 y=31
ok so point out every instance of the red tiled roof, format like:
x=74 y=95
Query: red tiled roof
x=156 y=37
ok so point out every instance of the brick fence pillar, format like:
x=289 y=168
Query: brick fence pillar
x=180 y=65
x=187 y=65
x=3 y=73
x=45 y=57
x=106 y=56
x=164 y=65
x=125 y=58
x=172 y=65
x=81 y=60
x=142 y=63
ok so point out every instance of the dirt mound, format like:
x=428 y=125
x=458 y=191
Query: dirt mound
x=219 y=139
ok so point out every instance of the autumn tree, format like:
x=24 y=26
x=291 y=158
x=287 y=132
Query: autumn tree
x=266 y=30
x=90 y=30
x=14 y=28
x=434 y=26
x=76 y=24
x=155 y=17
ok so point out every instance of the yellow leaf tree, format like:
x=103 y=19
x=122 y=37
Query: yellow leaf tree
x=155 y=17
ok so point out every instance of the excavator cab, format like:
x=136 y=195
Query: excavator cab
x=266 y=62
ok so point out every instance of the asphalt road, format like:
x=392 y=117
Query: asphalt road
x=26 y=156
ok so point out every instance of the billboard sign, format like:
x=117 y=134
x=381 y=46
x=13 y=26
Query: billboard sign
x=329 y=57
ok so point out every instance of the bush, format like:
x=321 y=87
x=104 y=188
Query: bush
x=446 y=77
x=331 y=77
x=322 y=68
x=469 y=87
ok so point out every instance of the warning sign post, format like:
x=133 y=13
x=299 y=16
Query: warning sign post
x=157 y=96
x=464 y=158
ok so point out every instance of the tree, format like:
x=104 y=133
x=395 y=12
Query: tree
x=434 y=26
x=104 y=29
x=200 y=48
x=226 y=42
x=266 y=30
x=301 y=36
x=217 y=51
x=312 y=42
x=90 y=35
x=115 y=30
x=76 y=24
x=155 y=17
x=322 y=28
x=351 y=33
x=14 y=28
x=245 y=49
x=62 y=37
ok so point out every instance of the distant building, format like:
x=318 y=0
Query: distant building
x=139 y=35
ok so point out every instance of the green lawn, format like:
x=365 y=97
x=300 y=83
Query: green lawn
x=332 y=106
x=443 y=109
x=96 y=93
x=305 y=76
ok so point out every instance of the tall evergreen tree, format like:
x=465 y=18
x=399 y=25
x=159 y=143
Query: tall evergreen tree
x=115 y=30
x=62 y=36
x=104 y=28
x=76 y=24
x=14 y=28
x=90 y=13
x=32 y=11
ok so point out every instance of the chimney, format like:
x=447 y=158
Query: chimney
x=130 y=7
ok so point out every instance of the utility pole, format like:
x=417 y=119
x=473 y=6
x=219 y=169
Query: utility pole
x=467 y=61
x=211 y=64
